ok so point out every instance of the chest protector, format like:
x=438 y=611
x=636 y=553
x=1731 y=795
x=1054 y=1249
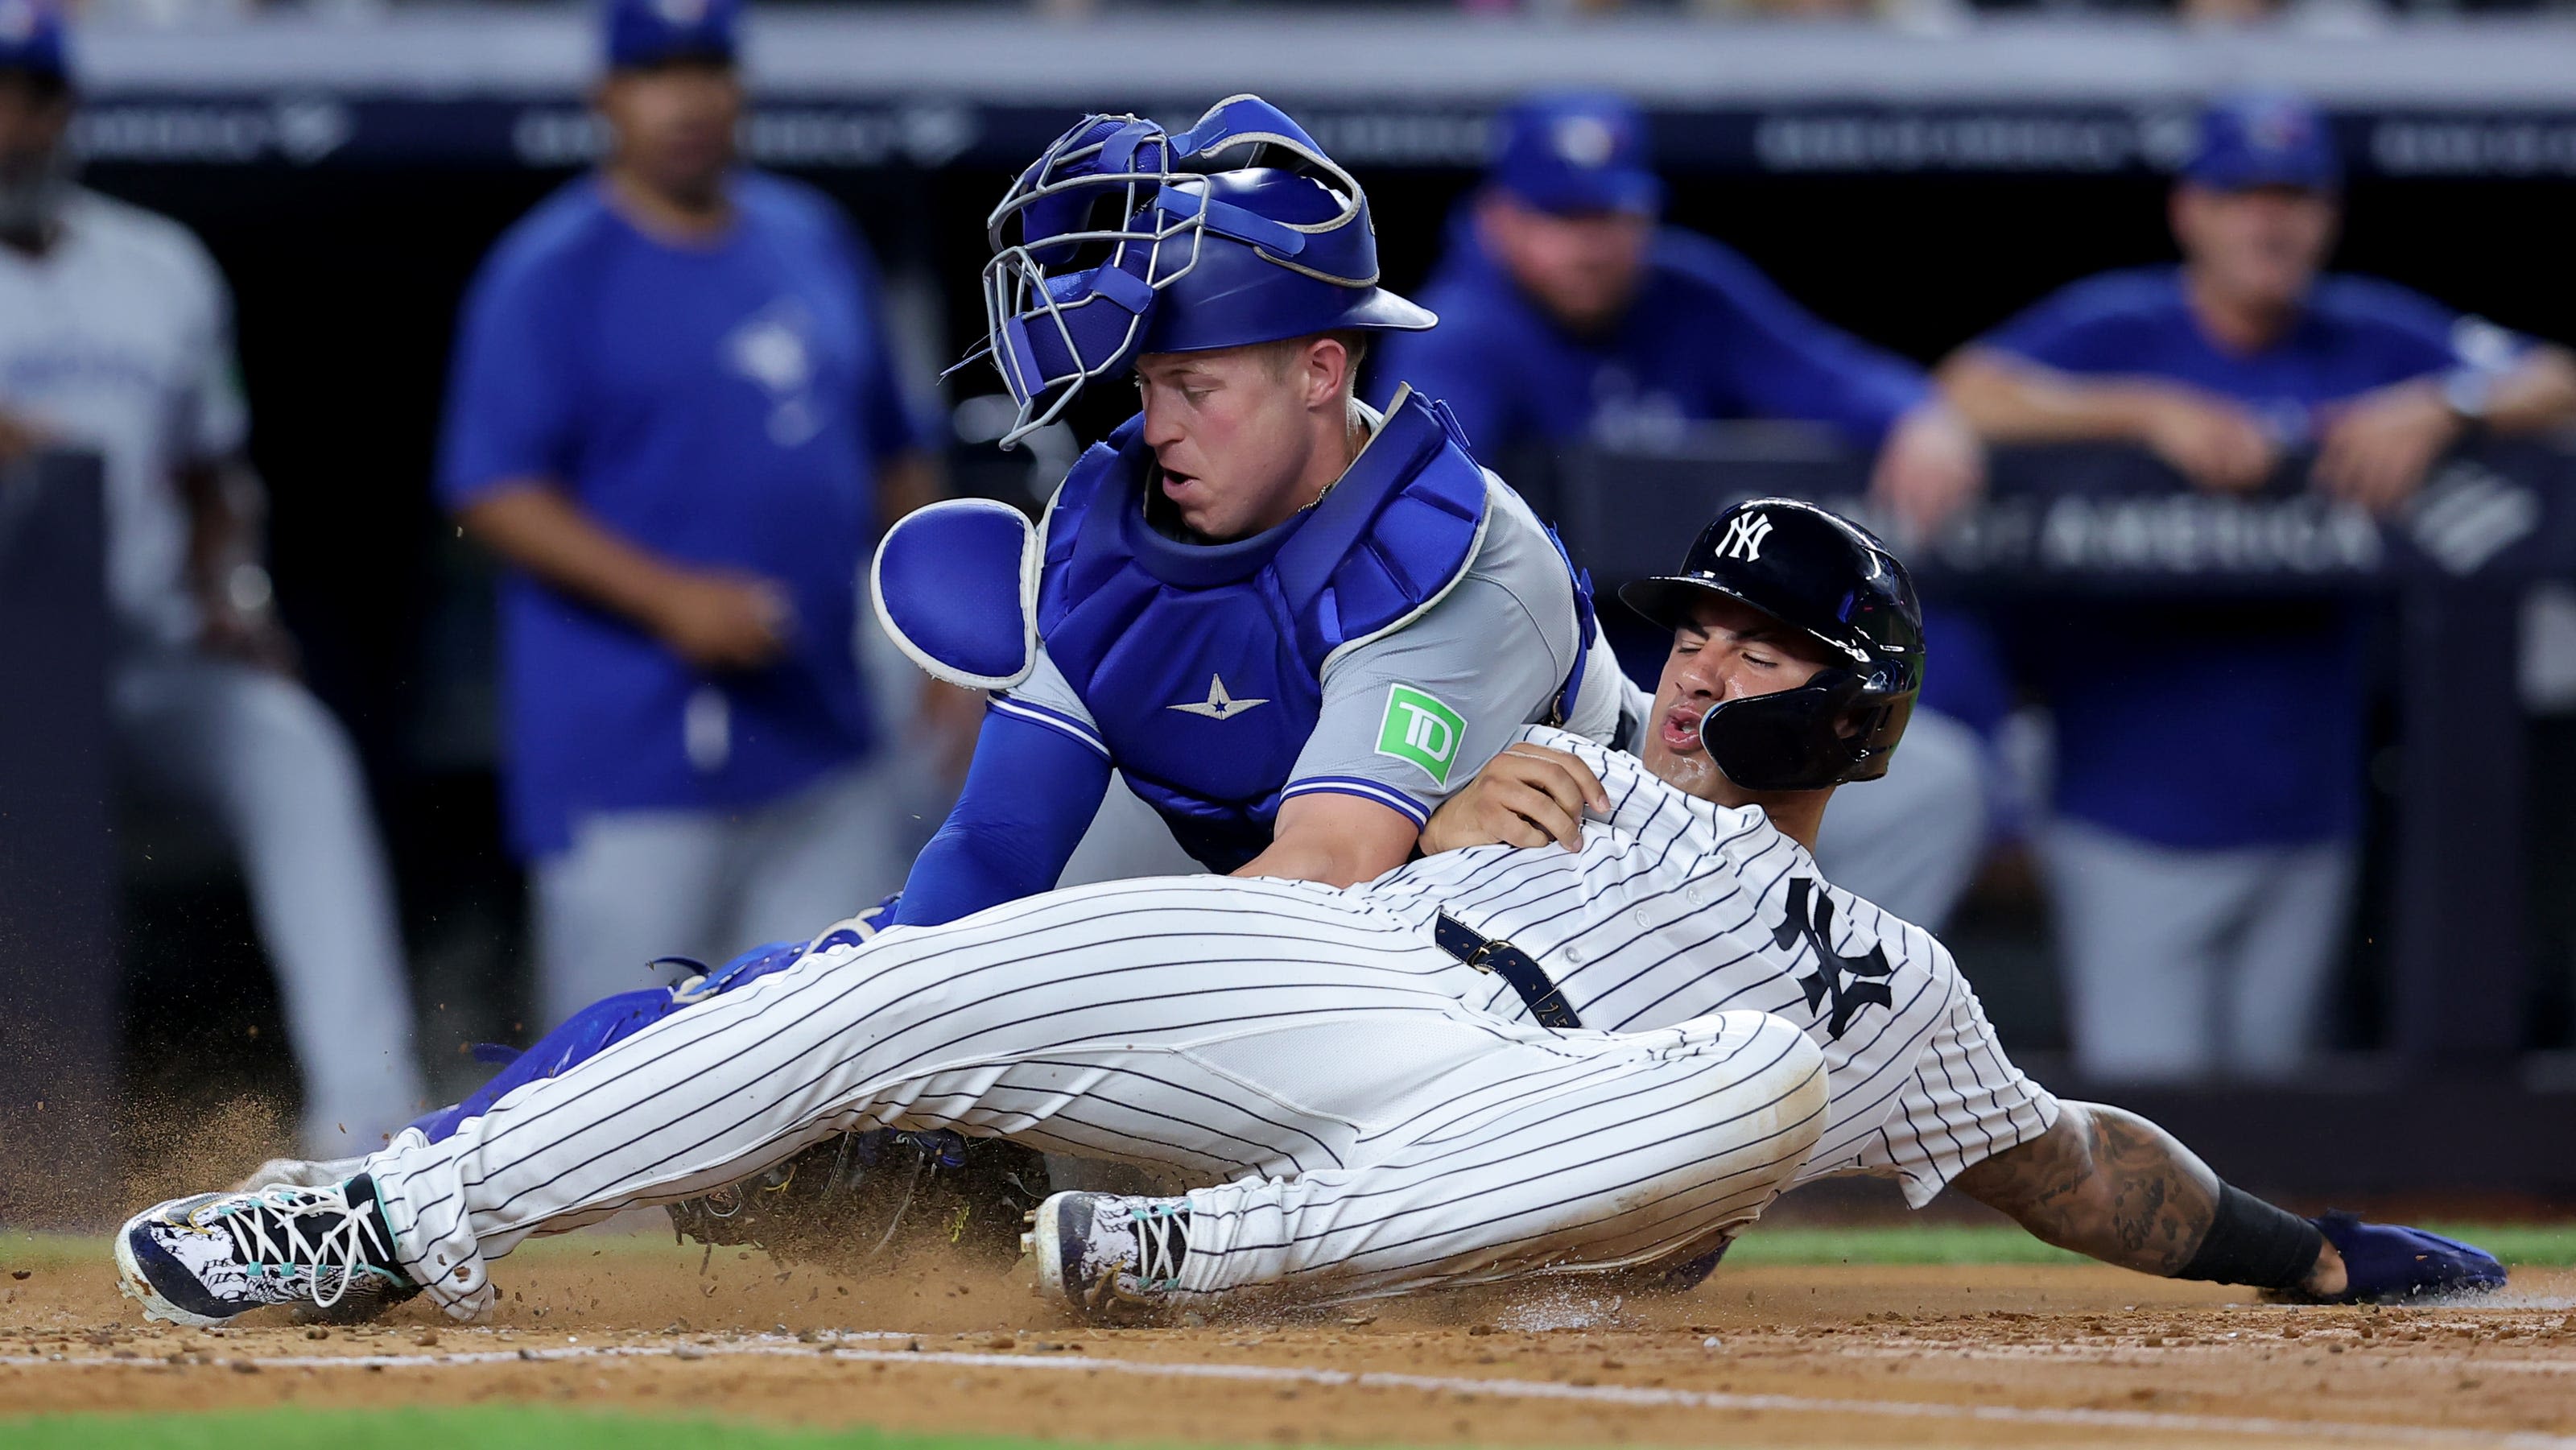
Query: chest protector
x=1202 y=664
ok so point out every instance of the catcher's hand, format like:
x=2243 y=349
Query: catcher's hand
x=1527 y=796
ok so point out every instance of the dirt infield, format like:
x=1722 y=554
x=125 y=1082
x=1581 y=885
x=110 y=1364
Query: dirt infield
x=1775 y=1356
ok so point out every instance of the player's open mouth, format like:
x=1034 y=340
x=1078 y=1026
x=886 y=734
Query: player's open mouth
x=1681 y=731
x=1176 y=484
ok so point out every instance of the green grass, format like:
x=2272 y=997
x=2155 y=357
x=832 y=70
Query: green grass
x=2540 y=1246
x=2532 y=1245
x=493 y=1428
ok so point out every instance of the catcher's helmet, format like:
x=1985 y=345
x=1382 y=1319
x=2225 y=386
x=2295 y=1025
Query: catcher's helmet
x=1835 y=582
x=1123 y=239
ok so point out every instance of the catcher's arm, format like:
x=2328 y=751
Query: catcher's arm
x=1030 y=794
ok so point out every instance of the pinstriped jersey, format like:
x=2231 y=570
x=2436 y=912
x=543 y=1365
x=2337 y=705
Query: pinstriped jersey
x=1676 y=907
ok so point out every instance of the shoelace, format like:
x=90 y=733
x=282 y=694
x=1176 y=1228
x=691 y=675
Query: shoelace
x=1149 y=1263
x=1162 y=1241
x=269 y=1228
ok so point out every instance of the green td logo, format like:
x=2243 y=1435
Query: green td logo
x=1420 y=729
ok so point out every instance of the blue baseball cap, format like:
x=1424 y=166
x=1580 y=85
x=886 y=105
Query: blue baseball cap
x=2264 y=138
x=644 y=33
x=31 y=40
x=1577 y=151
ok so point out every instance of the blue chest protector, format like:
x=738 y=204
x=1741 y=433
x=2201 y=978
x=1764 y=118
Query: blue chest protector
x=1202 y=664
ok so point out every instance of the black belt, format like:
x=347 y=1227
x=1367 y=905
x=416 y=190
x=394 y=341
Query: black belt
x=1490 y=954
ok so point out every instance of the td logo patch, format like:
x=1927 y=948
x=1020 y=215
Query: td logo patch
x=1418 y=728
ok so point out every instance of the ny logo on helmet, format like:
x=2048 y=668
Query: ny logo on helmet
x=1744 y=536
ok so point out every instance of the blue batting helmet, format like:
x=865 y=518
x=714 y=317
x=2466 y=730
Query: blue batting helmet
x=1123 y=239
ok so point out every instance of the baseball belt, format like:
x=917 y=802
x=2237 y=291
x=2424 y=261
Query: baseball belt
x=1491 y=954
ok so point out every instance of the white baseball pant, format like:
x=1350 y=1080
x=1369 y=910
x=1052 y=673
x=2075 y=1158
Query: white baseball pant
x=1379 y=1137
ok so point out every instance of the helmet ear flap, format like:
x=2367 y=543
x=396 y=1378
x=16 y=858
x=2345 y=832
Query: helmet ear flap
x=1881 y=729
x=1790 y=740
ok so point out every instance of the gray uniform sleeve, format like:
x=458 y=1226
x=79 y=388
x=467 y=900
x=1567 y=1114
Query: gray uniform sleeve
x=1047 y=698
x=1411 y=716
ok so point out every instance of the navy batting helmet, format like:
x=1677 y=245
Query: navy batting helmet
x=1835 y=582
x=1122 y=239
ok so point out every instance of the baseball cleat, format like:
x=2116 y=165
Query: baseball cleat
x=2386 y=1262
x=204 y=1259
x=1109 y=1255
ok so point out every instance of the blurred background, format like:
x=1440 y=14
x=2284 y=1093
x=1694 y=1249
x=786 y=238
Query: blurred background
x=2258 y=721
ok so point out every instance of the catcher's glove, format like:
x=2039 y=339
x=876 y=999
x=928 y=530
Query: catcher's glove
x=863 y=1201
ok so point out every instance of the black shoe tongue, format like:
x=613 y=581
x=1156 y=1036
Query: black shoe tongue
x=374 y=1235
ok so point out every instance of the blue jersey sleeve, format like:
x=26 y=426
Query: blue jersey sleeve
x=1786 y=362
x=1029 y=796
x=2097 y=325
x=510 y=409
x=2410 y=335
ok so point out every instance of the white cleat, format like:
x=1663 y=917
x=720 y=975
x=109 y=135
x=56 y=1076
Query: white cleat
x=207 y=1258
x=1109 y=1256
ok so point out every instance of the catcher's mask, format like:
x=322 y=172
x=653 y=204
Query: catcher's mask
x=1124 y=239
x=1836 y=583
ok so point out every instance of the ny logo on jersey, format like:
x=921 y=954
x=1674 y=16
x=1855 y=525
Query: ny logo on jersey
x=1744 y=536
x=1849 y=983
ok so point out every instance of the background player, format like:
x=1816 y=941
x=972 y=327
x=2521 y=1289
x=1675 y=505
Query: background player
x=2202 y=856
x=1573 y=317
x=1293 y=623
x=1215 y=1026
x=116 y=337
x=675 y=414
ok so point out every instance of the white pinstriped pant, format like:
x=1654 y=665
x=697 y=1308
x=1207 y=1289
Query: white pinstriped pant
x=1378 y=1136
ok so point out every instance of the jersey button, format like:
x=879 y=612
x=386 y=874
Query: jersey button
x=1696 y=896
x=1572 y=954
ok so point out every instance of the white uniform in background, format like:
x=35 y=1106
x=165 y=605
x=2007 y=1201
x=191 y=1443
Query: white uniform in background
x=118 y=339
x=1382 y=1115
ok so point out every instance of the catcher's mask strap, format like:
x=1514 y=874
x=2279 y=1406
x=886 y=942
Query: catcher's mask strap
x=1118 y=148
x=1228 y=220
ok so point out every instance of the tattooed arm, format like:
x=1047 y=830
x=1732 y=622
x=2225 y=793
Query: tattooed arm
x=2112 y=1185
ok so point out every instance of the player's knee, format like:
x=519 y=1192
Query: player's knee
x=1780 y=1041
x=1793 y=1079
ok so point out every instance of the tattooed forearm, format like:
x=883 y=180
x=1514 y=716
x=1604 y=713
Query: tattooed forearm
x=2106 y=1183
